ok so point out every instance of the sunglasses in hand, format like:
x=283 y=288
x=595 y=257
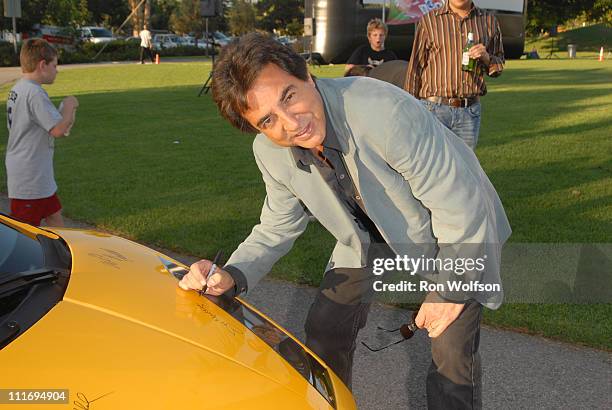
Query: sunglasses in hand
x=407 y=330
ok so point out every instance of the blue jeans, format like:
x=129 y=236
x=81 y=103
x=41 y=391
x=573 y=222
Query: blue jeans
x=464 y=122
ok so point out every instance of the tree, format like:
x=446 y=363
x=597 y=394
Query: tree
x=137 y=16
x=601 y=11
x=63 y=13
x=544 y=14
x=241 y=17
x=221 y=23
x=161 y=11
x=147 y=12
x=186 y=18
x=109 y=13
x=32 y=12
x=284 y=16
x=83 y=16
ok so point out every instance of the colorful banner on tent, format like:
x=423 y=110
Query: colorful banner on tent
x=410 y=11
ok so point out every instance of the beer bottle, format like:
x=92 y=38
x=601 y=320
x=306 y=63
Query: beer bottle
x=467 y=63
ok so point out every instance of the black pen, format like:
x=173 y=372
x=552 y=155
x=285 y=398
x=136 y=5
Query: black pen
x=216 y=261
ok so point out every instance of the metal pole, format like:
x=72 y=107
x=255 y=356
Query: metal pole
x=15 y=33
x=384 y=6
x=312 y=16
x=207 y=38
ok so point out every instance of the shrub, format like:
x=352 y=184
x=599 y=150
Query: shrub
x=7 y=54
x=119 y=50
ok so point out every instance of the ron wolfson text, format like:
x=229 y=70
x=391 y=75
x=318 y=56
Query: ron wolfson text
x=425 y=286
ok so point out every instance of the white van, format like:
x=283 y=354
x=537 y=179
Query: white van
x=94 y=34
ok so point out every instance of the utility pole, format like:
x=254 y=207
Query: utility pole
x=384 y=7
x=12 y=8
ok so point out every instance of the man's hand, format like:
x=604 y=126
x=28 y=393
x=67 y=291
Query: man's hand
x=437 y=316
x=218 y=283
x=479 y=52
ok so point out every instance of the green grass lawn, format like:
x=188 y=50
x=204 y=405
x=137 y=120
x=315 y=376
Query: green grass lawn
x=149 y=160
x=588 y=41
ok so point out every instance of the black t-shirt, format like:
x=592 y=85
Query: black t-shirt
x=364 y=55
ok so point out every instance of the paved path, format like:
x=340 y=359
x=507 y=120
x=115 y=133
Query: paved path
x=520 y=371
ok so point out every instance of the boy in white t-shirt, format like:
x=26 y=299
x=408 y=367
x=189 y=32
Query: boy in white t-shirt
x=34 y=123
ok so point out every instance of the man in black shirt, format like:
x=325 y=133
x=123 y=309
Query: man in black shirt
x=374 y=53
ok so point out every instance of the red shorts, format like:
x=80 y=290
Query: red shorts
x=33 y=211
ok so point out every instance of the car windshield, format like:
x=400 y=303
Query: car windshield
x=100 y=32
x=18 y=252
x=34 y=275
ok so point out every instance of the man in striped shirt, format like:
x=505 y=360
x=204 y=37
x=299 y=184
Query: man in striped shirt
x=435 y=73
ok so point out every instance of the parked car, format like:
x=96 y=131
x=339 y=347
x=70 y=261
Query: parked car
x=94 y=34
x=221 y=39
x=286 y=40
x=103 y=318
x=59 y=37
x=190 y=41
x=161 y=41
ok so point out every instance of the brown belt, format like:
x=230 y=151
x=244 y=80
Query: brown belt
x=454 y=102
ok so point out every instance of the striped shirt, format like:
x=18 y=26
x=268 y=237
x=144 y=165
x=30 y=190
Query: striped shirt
x=435 y=65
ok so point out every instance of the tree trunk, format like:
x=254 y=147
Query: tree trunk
x=147 y=13
x=135 y=20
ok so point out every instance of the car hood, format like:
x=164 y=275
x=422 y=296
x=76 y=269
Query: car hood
x=125 y=328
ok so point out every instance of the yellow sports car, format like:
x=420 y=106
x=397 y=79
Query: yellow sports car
x=92 y=321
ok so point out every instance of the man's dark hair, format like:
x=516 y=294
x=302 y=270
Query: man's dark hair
x=238 y=66
x=358 y=70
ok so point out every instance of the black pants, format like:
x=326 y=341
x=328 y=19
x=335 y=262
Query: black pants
x=340 y=311
x=454 y=377
x=144 y=50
